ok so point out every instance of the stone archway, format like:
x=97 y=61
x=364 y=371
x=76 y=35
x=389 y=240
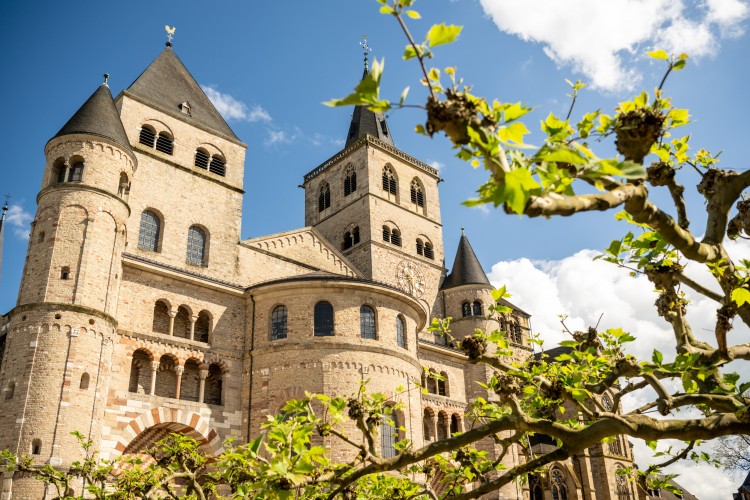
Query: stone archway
x=152 y=426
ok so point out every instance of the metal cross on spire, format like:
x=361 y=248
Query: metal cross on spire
x=7 y=198
x=366 y=49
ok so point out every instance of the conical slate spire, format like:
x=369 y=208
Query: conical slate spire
x=366 y=122
x=466 y=268
x=167 y=84
x=97 y=116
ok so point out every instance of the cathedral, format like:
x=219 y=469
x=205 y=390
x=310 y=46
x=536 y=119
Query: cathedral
x=142 y=311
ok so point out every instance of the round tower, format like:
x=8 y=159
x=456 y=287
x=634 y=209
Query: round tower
x=56 y=369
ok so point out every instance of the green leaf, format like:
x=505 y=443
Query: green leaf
x=513 y=132
x=440 y=34
x=409 y=52
x=657 y=357
x=518 y=187
x=679 y=65
x=413 y=14
x=385 y=9
x=658 y=54
x=403 y=95
x=515 y=111
x=740 y=296
x=561 y=155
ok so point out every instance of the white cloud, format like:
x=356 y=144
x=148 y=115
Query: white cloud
x=276 y=137
x=233 y=109
x=584 y=289
x=601 y=38
x=437 y=165
x=19 y=220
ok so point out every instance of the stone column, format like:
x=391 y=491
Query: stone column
x=193 y=319
x=203 y=374
x=172 y=315
x=179 y=370
x=154 y=370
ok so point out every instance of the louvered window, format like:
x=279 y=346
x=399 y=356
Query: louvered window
x=417 y=193
x=350 y=181
x=147 y=137
x=324 y=198
x=217 y=166
x=164 y=144
x=386 y=234
x=76 y=172
x=201 y=159
x=388 y=436
x=389 y=180
x=396 y=237
x=367 y=322
x=420 y=247
x=148 y=235
x=196 y=246
x=400 y=329
x=278 y=323
x=428 y=252
x=323 y=319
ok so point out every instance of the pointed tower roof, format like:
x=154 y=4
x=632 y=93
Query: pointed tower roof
x=166 y=84
x=97 y=116
x=466 y=268
x=366 y=122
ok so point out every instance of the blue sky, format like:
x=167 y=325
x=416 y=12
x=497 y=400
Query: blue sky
x=271 y=64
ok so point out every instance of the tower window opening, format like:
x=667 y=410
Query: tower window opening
x=61 y=174
x=384 y=127
x=10 y=390
x=84 y=384
x=389 y=180
x=76 y=172
x=396 y=237
x=147 y=136
x=36 y=447
x=218 y=166
x=350 y=181
x=428 y=251
x=201 y=159
x=355 y=235
x=323 y=319
x=465 y=309
x=148 y=235
x=196 y=246
x=279 y=323
x=417 y=193
x=324 y=198
x=477 y=309
x=347 y=241
x=367 y=322
x=386 y=234
x=164 y=143
x=65 y=273
x=400 y=331
x=388 y=435
x=420 y=247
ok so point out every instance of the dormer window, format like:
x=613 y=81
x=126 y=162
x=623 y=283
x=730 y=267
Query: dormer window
x=185 y=107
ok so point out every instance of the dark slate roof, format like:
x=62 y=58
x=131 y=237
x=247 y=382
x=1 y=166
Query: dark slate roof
x=167 y=83
x=510 y=304
x=554 y=352
x=366 y=122
x=466 y=268
x=97 y=116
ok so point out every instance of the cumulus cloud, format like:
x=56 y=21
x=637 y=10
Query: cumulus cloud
x=234 y=109
x=585 y=289
x=600 y=39
x=19 y=220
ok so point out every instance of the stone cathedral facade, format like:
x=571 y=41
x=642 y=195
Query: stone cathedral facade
x=142 y=311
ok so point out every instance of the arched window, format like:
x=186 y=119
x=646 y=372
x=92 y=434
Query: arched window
x=201 y=158
x=10 y=390
x=606 y=403
x=323 y=319
x=477 y=309
x=355 y=235
x=386 y=234
x=389 y=435
x=454 y=425
x=420 y=247
x=123 y=187
x=559 y=490
x=148 y=234
x=140 y=373
x=417 y=193
x=615 y=448
x=214 y=386
x=36 y=446
x=442 y=426
x=278 y=323
x=161 y=318
x=400 y=331
x=181 y=327
x=59 y=169
x=196 y=246
x=428 y=252
x=190 y=384
x=427 y=425
x=466 y=309
x=535 y=488
x=350 y=181
x=396 y=237
x=367 y=322
x=147 y=137
x=622 y=484
x=76 y=172
x=324 y=198
x=351 y=238
x=166 y=378
x=517 y=336
x=202 y=327
x=389 y=181
x=442 y=384
x=84 y=385
x=218 y=166
x=164 y=143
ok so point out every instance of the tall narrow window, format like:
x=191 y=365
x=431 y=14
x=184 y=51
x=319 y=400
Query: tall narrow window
x=164 y=143
x=417 y=193
x=201 y=159
x=454 y=424
x=517 y=333
x=388 y=435
x=196 y=246
x=278 y=323
x=400 y=331
x=10 y=390
x=218 y=166
x=442 y=426
x=367 y=322
x=61 y=174
x=442 y=384
x=536 y=492
x=559 y=490
x=323 y=319
x=396 y=237
x=386 y=234
x=350 y=181
x=478 y=308
x=324 y=198
x=123 y=186
x=148 y=235
x=76 y=172
x=355 y=235
x=347 y=240
x=420 y=247
x=84 y=385
x=389 y=180
x=147 y=137
x=428 y=252
x=622 y=484
x=214 y=386
x=465 y=309
x=36 y=447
